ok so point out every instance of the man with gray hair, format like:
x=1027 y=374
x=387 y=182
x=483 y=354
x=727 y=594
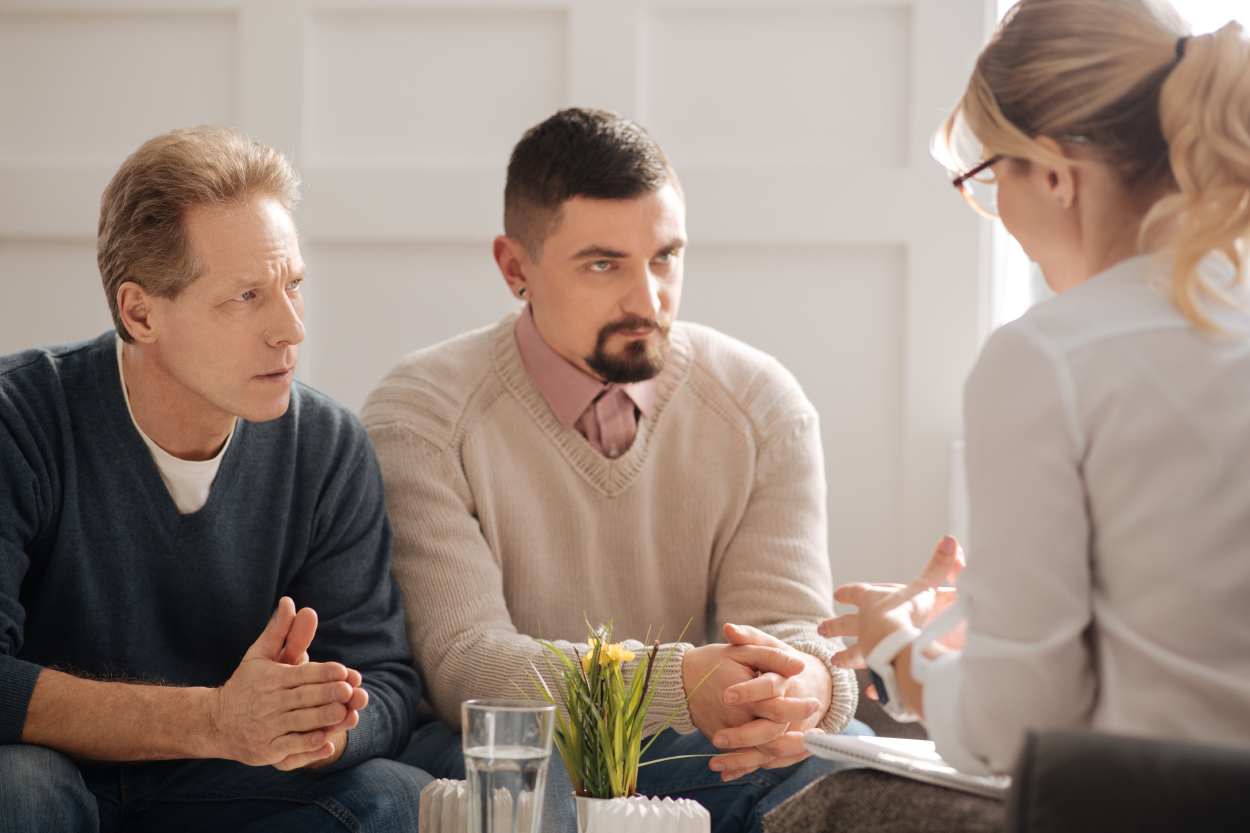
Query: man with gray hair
x=167 y=494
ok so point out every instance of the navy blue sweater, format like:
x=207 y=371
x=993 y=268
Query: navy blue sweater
x=100 y=574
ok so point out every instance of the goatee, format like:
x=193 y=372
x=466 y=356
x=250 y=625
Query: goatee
x=641 y=359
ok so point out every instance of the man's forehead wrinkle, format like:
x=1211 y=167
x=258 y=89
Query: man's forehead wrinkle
x=274 y=263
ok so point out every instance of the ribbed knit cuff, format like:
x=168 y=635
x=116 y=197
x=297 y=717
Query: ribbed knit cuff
x=361 y=742
x=17 y=684
x=845 y=696
x=670 y=694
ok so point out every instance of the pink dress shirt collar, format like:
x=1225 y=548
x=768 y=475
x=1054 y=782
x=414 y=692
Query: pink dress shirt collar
x=579 y=400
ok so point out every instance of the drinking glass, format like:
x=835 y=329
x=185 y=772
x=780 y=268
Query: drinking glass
x=507 y=746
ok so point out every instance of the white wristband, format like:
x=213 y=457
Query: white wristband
x=890 y=647
x=880 y=663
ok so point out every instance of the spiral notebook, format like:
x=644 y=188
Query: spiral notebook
x=914 y=759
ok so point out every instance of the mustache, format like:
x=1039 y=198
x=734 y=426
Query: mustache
x=630 y=323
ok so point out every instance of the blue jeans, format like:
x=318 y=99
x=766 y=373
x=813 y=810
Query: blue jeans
x=736 y=807
x=41 y=789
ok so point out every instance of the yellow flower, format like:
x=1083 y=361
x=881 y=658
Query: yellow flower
x=617 y=653
x=608 y=653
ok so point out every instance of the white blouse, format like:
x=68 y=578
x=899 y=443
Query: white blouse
x=1108 y=578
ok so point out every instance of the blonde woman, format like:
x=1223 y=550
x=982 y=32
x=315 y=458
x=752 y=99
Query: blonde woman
x=1108 y=430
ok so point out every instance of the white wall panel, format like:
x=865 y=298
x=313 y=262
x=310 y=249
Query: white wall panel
x=833 y=315
x=792 y=85
x=820 y=229
x=44 y=201
x=50 y=291
x=91 y=87
x=429 y=87
x=368 y=305
x=390 y=204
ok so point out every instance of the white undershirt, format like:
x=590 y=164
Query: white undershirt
x=189 y=481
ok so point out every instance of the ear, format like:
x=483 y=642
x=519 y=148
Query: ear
x=513 y=260
x=136 y=307
x=1058 y=181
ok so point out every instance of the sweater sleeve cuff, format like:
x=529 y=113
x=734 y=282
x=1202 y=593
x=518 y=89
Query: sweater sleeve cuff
x=670 y=695
x=362 y=742
x=16 y=689
x=845 y=695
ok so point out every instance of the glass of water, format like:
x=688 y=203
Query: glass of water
x=507 y=745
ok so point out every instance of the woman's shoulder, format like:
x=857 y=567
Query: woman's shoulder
x=1126 y=300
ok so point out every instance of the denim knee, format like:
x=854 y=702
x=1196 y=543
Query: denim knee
x=41 y=789
x=437 y=750
x=383 y=795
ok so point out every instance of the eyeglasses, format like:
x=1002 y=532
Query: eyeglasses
x=981 y=194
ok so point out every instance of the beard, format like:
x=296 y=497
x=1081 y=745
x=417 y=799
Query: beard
x=640 y=359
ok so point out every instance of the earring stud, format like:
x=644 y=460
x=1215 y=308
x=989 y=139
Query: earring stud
x=522 y=292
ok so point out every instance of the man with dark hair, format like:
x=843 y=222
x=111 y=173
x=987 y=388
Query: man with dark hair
x=167 y=493
x=591 y=458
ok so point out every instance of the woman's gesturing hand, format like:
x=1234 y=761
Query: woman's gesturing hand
x=884 y=608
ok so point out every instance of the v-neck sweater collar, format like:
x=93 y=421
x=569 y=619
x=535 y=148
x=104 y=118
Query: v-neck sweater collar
x=609 y=475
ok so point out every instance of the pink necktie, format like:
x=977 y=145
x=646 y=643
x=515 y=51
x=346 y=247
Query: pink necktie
x=610 y=422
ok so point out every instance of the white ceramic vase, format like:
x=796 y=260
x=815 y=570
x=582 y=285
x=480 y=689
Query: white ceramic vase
x=639 y=814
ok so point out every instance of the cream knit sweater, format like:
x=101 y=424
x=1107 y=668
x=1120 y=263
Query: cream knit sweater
x=509 y=527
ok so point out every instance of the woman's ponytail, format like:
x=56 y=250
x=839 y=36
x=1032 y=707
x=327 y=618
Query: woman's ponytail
x=1204 y=110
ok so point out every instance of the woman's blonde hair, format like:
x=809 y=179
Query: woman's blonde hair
x=1162 y=109
x=142 y=237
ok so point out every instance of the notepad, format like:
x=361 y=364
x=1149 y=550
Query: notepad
x=914 y=759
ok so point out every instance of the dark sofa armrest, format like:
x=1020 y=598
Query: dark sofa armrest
x=1073 y=782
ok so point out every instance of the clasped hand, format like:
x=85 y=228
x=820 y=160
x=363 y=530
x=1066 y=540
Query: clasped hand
x=757 y=703
x=280 y=709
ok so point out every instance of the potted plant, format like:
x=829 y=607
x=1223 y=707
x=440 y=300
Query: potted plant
x=599 y=734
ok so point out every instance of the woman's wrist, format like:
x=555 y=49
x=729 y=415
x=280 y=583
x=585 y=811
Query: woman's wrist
x=880 y=662
x=911 y=691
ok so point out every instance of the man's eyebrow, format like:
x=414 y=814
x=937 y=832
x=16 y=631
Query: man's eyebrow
x=248 y=284
x=601 y=252
x=673 y=245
